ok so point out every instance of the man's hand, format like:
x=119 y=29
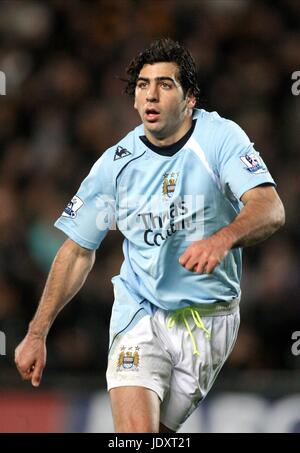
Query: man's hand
x=204 y=255
x=30 y=358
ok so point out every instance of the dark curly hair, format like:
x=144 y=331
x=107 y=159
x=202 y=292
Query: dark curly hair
x=165 y=50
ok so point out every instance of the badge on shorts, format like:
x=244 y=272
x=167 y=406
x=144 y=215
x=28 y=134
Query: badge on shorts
x=128 y=359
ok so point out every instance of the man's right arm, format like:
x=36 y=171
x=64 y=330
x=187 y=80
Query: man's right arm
x=68 y=273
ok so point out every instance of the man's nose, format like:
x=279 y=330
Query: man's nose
x=152 y=93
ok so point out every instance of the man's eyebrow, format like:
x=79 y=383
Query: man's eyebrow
x=157 y=79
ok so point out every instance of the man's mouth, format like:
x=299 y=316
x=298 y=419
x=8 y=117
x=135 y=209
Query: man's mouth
x=151 y=114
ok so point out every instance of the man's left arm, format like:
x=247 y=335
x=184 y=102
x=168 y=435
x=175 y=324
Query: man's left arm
x=262 y=214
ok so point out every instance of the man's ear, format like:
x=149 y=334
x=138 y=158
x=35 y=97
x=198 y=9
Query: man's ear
x=191 y=99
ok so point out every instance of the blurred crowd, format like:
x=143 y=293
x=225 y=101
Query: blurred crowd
x=64 y=61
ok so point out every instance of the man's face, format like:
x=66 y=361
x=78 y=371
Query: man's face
x=161 y=103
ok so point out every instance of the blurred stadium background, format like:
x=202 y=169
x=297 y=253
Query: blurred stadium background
x=63 y=106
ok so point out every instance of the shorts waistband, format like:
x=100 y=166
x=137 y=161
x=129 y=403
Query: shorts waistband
x=219 y=308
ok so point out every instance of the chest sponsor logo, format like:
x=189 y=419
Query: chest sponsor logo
x=181 y=214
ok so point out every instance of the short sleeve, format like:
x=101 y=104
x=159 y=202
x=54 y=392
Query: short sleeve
x=240 y=166
x=90 y=214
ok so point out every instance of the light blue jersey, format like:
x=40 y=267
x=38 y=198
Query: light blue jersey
x=162 y=199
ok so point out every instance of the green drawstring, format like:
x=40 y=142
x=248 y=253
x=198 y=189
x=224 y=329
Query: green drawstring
x=181 y=314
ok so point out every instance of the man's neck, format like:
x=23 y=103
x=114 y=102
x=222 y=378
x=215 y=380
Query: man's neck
x=172 y=138
x=170 y=150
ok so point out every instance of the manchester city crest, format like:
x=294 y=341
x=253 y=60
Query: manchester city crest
x=129 y=359
x=169 y=184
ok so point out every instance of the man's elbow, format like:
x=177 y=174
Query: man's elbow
x=278 y=215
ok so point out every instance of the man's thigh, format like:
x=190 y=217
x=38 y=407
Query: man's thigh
x=138 y=377
x=135 y=410
x=194 y=375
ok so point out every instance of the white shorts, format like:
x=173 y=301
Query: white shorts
x=161 y=358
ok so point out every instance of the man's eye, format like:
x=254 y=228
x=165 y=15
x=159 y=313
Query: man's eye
x=142 y=85
x=165 y=85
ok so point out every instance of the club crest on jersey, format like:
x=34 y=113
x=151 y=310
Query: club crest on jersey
x=121 y=152
x=169 y=184
x=72 y=207
x=254 y=163
x=129 y=359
